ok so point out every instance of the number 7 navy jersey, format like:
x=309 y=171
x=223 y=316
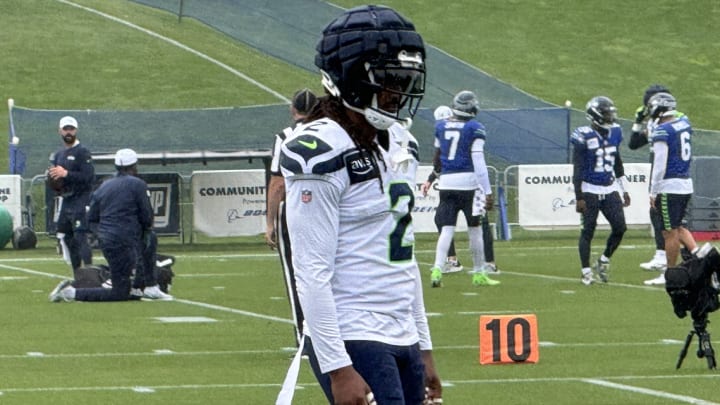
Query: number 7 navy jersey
x=598 y=154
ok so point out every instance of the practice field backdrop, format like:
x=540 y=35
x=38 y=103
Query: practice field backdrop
x=227 y=338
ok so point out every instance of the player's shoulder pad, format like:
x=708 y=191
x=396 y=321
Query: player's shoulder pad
x=399 y=135
x=478 y=129
x=315 y=147
x=581 y=133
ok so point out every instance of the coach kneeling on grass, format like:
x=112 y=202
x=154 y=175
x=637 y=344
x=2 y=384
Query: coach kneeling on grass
x=121 y=215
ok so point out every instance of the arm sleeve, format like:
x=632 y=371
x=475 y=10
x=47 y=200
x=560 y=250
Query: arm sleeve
x=420 y=315
x=660 y=152
x=314 y=244
x=480 y=167
x=619 y=168
x=436 y=167
x=275 y=162
x=577 y=171
x=637 y=139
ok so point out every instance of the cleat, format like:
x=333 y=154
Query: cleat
x=603 y=270
x=654 y=265
x=436 y=277
x=704 y=250
x=491 y=268
x=61 y=292
x=481 y=278
x=154 y=293
x=451 y=266
x=588 y=278
x=659 y=280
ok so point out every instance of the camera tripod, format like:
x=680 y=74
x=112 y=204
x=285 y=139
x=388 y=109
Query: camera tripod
x=704 y=346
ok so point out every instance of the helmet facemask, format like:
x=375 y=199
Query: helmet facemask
x=601 y=112
x=386 y=88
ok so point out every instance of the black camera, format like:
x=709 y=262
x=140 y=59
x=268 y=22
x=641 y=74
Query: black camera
x=693 y=287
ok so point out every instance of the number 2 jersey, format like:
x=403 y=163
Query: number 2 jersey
x=350 y=225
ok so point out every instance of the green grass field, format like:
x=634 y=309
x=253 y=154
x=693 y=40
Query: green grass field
x=604 y=344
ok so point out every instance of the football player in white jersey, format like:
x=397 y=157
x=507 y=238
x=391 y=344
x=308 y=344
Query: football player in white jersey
x=349 y=197
x=276 y=235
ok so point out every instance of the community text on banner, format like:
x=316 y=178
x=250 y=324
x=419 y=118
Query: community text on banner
x=229 y=202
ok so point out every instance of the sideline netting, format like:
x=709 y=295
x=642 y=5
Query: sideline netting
x=104 y=132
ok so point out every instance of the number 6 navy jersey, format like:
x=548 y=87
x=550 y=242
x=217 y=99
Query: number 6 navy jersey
x=349 y=219
x=673 y=174
x=599 y=154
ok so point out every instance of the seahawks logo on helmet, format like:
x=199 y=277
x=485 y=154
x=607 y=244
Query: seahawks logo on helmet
x=660 y=104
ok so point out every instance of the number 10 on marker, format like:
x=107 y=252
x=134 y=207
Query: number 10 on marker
x=508 y=339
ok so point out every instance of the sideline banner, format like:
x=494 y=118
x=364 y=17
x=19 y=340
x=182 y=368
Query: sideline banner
x=11 y=196
x=229 y=202
x=547 y=198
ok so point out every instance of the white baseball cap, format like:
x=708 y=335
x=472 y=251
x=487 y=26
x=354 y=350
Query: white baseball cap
x=125 y=157
x=68 y=121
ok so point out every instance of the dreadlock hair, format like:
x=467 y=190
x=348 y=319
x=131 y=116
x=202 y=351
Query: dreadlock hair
x=362 y=136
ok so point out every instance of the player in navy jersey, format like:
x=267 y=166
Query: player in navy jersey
x=671 y=186
x=464 y=184
x=349 y=180
x=640 y=136
x=598 y=176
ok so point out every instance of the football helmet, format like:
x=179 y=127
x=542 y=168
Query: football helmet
x=660 y=104
x=601 y=111
x=442 y=113
x=653 y=90
x=465 y=104
x=372 y=58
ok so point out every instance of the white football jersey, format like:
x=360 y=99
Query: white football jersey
x=350 y=225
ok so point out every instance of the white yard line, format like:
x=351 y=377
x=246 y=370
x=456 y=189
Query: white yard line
x=647 y=391
x=181 y=46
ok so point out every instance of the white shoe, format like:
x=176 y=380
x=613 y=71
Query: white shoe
x=602 y=268
x=492 y=269
x=154 y=293
x=588 y=278
x=659 y=280
x=136 y=292
x=64 y=291
x=654 y=265
x=452 y=266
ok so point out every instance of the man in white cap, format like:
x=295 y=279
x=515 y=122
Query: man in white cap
x=71 y=175
x=121 y=215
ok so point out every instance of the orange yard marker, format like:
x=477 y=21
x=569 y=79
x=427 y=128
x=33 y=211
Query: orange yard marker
x=508 y=339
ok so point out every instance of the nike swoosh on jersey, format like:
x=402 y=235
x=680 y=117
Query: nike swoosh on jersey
x=309 y=145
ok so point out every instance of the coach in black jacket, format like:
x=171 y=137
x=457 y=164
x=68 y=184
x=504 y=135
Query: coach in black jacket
x=72 y=175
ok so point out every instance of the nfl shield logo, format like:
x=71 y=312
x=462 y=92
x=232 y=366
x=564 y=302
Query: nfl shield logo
x=306 y=196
